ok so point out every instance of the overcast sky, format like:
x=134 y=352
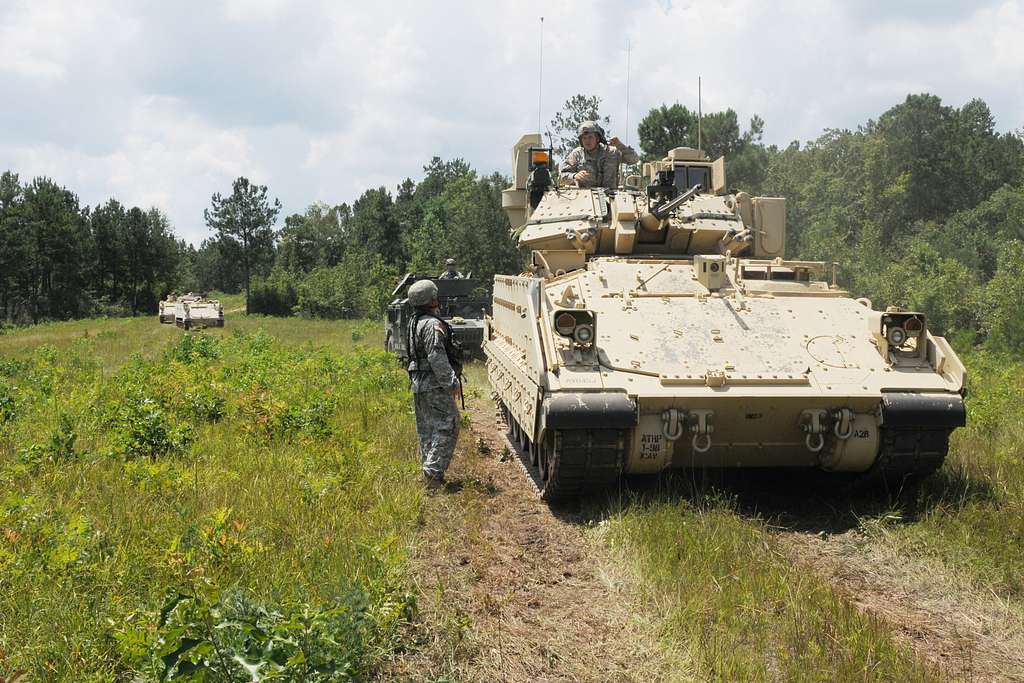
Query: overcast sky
x=163 y=103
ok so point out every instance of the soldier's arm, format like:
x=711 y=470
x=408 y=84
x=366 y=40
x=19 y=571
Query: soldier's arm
x=571 y=164
x=438 y=359
x=629 y=155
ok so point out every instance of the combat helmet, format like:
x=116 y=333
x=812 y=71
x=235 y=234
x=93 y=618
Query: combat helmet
x=450 y=262
x=591 y=127
x=421 y=293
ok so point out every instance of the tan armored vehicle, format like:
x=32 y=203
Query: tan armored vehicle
x=191 y=311
x=167 y=309
x=660 y=326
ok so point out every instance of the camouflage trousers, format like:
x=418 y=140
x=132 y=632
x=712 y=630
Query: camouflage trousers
x=437 y=425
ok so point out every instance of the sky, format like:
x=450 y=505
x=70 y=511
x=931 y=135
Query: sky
x=162 y=104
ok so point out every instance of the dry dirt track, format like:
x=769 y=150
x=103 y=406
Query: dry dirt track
x=511 y=591
x=968 y=634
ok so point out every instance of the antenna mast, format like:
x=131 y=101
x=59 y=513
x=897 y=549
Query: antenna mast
x=540 y=77
x=628 y=48
x=699 y=115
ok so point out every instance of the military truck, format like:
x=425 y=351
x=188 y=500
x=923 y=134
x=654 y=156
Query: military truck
x=461 y=307
x=192 y=311
x=660 y=326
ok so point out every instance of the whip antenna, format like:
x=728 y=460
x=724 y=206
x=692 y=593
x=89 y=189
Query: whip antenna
x=698 y=114
x=628 y=48
x=540 y=76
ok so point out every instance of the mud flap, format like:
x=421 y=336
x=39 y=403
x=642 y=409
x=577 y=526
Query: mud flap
x=584 y=410
x=923 y=411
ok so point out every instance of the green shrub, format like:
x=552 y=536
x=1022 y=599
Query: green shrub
x=273 y=295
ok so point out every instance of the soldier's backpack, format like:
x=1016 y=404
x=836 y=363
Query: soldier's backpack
x=452 y=346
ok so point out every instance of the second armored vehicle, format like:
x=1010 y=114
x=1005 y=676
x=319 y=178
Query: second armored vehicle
x=461 y=307
x=191 y=311
x=660 y=326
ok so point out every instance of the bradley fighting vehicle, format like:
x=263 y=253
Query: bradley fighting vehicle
x=461 y=308
x=190 y=311
x=167 y=309
x=660 y=326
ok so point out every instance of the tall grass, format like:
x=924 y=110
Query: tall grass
x=735 y=609
x=226 y=504
x=971 y=515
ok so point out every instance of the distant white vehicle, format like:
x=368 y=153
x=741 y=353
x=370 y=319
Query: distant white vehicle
x=190 y=311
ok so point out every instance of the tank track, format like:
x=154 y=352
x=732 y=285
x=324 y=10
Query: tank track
x=907 y=455
x=583 y=460
x=915 y=437
x=580 y=460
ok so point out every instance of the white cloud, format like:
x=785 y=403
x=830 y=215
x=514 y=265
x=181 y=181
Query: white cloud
x=165 y=104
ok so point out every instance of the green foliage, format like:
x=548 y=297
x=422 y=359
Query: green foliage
x=666 y=127
x=232 y=637
x=922 y=280
x=576 y=110
x=1001 y=300
x=916 y=206
x=60 y=260
x=275 y=294
x=142 y=428
x=286 y=525
x=245 y=221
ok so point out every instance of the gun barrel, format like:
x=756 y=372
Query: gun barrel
x=661 y=212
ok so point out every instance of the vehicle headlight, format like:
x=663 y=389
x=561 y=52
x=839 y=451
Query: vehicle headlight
x=898 y=327
x=896 y=336
x=584 y=334
x=565 y=324
x=577 y=325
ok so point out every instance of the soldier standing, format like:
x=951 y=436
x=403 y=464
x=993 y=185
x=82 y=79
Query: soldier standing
x=450 y=273
x=435 y=383
x=595 y=163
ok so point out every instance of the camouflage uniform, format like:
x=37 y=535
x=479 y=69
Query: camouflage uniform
x=450 y=275
x=437 y=416
x=602 y=163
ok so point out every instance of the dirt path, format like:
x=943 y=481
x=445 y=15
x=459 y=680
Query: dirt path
x=511 y=591
x=969 y=634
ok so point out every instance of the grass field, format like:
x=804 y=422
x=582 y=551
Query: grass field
x=222 y=506
x=240 y=504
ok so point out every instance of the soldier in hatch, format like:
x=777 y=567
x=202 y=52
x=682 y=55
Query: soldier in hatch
x=450 y=273
x=595 y=163
x=435 y=383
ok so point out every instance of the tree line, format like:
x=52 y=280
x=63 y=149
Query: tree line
x=922 y=207
x=61 y=260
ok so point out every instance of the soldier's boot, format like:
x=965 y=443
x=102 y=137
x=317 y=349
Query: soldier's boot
x=433 y=483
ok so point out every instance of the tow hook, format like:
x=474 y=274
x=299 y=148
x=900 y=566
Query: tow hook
x=814 y=423
x=700 y=425
x=842 y=423
x=673 y=423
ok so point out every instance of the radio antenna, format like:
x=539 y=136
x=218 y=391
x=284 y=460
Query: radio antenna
x=699 y=114
x=628 y=48
x=540 y=77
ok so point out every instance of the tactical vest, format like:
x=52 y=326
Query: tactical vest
x=452 y=346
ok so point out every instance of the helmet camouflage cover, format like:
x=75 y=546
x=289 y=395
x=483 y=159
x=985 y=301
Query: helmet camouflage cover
x=590 y=127
x=450 y=262
x=422 y=293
